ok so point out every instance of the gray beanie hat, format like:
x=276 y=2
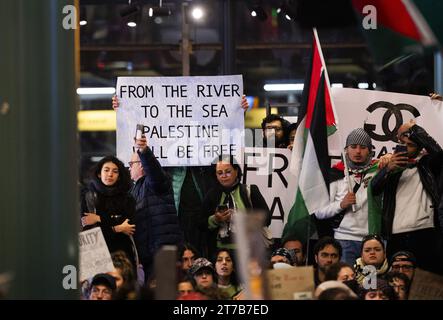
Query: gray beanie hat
x=359 y=136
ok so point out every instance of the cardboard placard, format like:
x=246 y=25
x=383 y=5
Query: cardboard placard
x=426 y=286
x=291 y=283
x=94 y=254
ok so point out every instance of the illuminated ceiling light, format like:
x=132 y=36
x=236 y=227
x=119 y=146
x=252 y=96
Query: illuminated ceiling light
x=283 y=87
x=98 y=90
x=337 y=85
x=132 y=24
x=159 y=11
x=287 y=11
x=83 y=16
x=197 y=13
x=259 y=12
x=363 y=85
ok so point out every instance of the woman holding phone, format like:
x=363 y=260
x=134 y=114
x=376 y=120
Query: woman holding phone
x=221 y=203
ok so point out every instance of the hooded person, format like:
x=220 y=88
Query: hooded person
x=352 y=212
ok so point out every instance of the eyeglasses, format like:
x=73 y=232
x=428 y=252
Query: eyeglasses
x=226 y=172
x=405 y=267
x=132 y=162
x=273 y=128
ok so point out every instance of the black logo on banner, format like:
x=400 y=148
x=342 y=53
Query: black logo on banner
x=391 y=110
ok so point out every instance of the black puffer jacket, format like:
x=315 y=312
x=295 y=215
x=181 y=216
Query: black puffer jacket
x=429 y=168
x=156 y=216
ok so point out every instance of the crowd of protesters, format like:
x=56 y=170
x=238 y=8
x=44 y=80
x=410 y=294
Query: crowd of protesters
x=383 y=221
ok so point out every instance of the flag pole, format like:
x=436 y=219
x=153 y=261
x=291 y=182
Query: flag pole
x=348 y=178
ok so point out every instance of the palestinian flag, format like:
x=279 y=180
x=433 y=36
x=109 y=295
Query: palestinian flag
x=310 y=160
x=402 y=27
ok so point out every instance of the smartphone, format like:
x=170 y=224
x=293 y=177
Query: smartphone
x=401 y=148
x=139 y=131
x=222 y=207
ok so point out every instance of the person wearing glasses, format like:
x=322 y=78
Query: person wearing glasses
x=107 y=203
x=275 y=130
x=221 y=203
x=404 y=262
x=156 y=217
x=411 y=195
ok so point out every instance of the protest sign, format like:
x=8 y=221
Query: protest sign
x=381 y=114
x=188 y=121
x=292 y=282
x=268 y=168
x=426 y=286
x=93 y=253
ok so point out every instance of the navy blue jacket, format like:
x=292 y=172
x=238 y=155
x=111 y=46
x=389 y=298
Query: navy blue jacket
x=156 y=216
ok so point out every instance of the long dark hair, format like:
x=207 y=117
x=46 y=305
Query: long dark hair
x=124 y=179
x=187 y=246
x=233 y=278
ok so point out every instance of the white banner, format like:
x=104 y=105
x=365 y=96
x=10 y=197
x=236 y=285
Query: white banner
x=381 y=113
x=268 y=168
x=188 y=121
x=93 y=253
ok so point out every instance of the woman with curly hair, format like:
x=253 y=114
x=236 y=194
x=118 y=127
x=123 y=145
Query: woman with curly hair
x=106 y=203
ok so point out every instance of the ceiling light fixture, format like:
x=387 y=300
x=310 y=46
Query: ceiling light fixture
x=287 y=11
x=259 y=12
x=159 y=11
x=284 y=87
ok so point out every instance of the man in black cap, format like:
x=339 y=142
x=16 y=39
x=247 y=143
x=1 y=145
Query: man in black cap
x=102 y=287
x=404 y=262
